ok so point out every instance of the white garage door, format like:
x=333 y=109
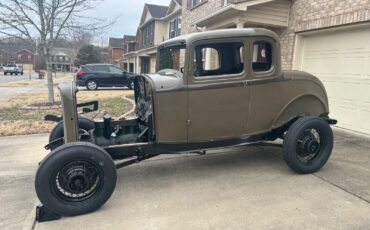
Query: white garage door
x=341 y=60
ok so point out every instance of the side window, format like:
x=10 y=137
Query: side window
x=102 y=68
x=262 y=56
x=85 y=68
x=210 y=59
x=218 y=59
x=113 y=69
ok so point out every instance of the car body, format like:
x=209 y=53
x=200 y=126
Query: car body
x=212 y=89
x=13 y=68
x=93 y=76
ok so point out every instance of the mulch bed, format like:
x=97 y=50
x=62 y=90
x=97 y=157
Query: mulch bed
x=43 y=106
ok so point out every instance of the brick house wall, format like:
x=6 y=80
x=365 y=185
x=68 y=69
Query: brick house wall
x=311 y=15
x=24 y=57
x=116 y=54
x=191 y=14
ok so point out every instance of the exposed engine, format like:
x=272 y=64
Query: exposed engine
x=144 y=105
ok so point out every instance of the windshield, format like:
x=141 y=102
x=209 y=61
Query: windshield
x=171 y=57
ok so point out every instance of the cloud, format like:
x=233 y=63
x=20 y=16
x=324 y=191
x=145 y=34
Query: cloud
x=127 y=11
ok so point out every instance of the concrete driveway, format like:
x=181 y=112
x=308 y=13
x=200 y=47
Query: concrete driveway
x=240 y=188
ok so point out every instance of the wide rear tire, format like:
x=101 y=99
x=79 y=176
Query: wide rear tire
x=76 y=178
x=308 y=145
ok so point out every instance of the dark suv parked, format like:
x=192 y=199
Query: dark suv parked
x=103 y=75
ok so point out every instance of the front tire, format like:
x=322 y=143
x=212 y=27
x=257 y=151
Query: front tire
x=84 y=126
x=91 y=85
x=308 y=145
x=75 y=179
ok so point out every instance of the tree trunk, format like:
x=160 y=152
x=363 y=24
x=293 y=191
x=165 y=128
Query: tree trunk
x=50 y=80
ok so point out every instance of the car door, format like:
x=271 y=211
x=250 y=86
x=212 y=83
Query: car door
x=218 y=95
x=118 y=76
x=103 y=75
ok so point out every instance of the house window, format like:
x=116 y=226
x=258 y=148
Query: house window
x=29 y=58
x=218 y=59
x=175 y=27
x=147 y=35
x=194 y=3
x=19 y=57
x=61 y=58
x=66 y=59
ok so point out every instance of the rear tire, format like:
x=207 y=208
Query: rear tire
x=308 y=145
x=84 y=125
x=91 y=85
x=76 y=178
x=130 y=84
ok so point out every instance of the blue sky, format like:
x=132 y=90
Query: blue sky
x=127 y=11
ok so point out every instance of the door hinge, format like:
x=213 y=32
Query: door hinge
x=188 y=122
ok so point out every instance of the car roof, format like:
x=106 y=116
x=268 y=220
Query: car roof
x=223 y=33
x=97 y=64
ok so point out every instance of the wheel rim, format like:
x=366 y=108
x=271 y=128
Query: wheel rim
x=91 y=85
x=77 y=181
x=310 y=145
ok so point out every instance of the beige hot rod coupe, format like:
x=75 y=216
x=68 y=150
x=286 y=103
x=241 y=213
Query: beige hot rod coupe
x=212 y=89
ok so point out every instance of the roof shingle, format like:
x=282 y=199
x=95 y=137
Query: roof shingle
x=116 y=43
x=157 y=11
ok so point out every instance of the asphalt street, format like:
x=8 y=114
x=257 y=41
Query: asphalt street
x=11 y=78
x=238 y=188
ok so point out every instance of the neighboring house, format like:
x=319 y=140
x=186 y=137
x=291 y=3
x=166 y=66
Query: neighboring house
x=115 y=51
x=157 y=24
x=328 y=38
x=61 y=59
x=129 y=45
x=25 y=58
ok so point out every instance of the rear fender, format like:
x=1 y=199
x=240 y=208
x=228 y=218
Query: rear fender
x=304 y=105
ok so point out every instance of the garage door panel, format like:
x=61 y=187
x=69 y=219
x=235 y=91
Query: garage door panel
x=341 y=60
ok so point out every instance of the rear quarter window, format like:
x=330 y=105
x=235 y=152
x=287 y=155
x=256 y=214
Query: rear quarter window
x=262 y=56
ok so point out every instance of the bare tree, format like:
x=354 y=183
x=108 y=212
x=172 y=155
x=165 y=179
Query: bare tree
x=44 y=21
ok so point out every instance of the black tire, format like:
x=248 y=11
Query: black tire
x=130 y=84
x=84 y=125
x=75 y=179
x=91 y=85
x=308 y=145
